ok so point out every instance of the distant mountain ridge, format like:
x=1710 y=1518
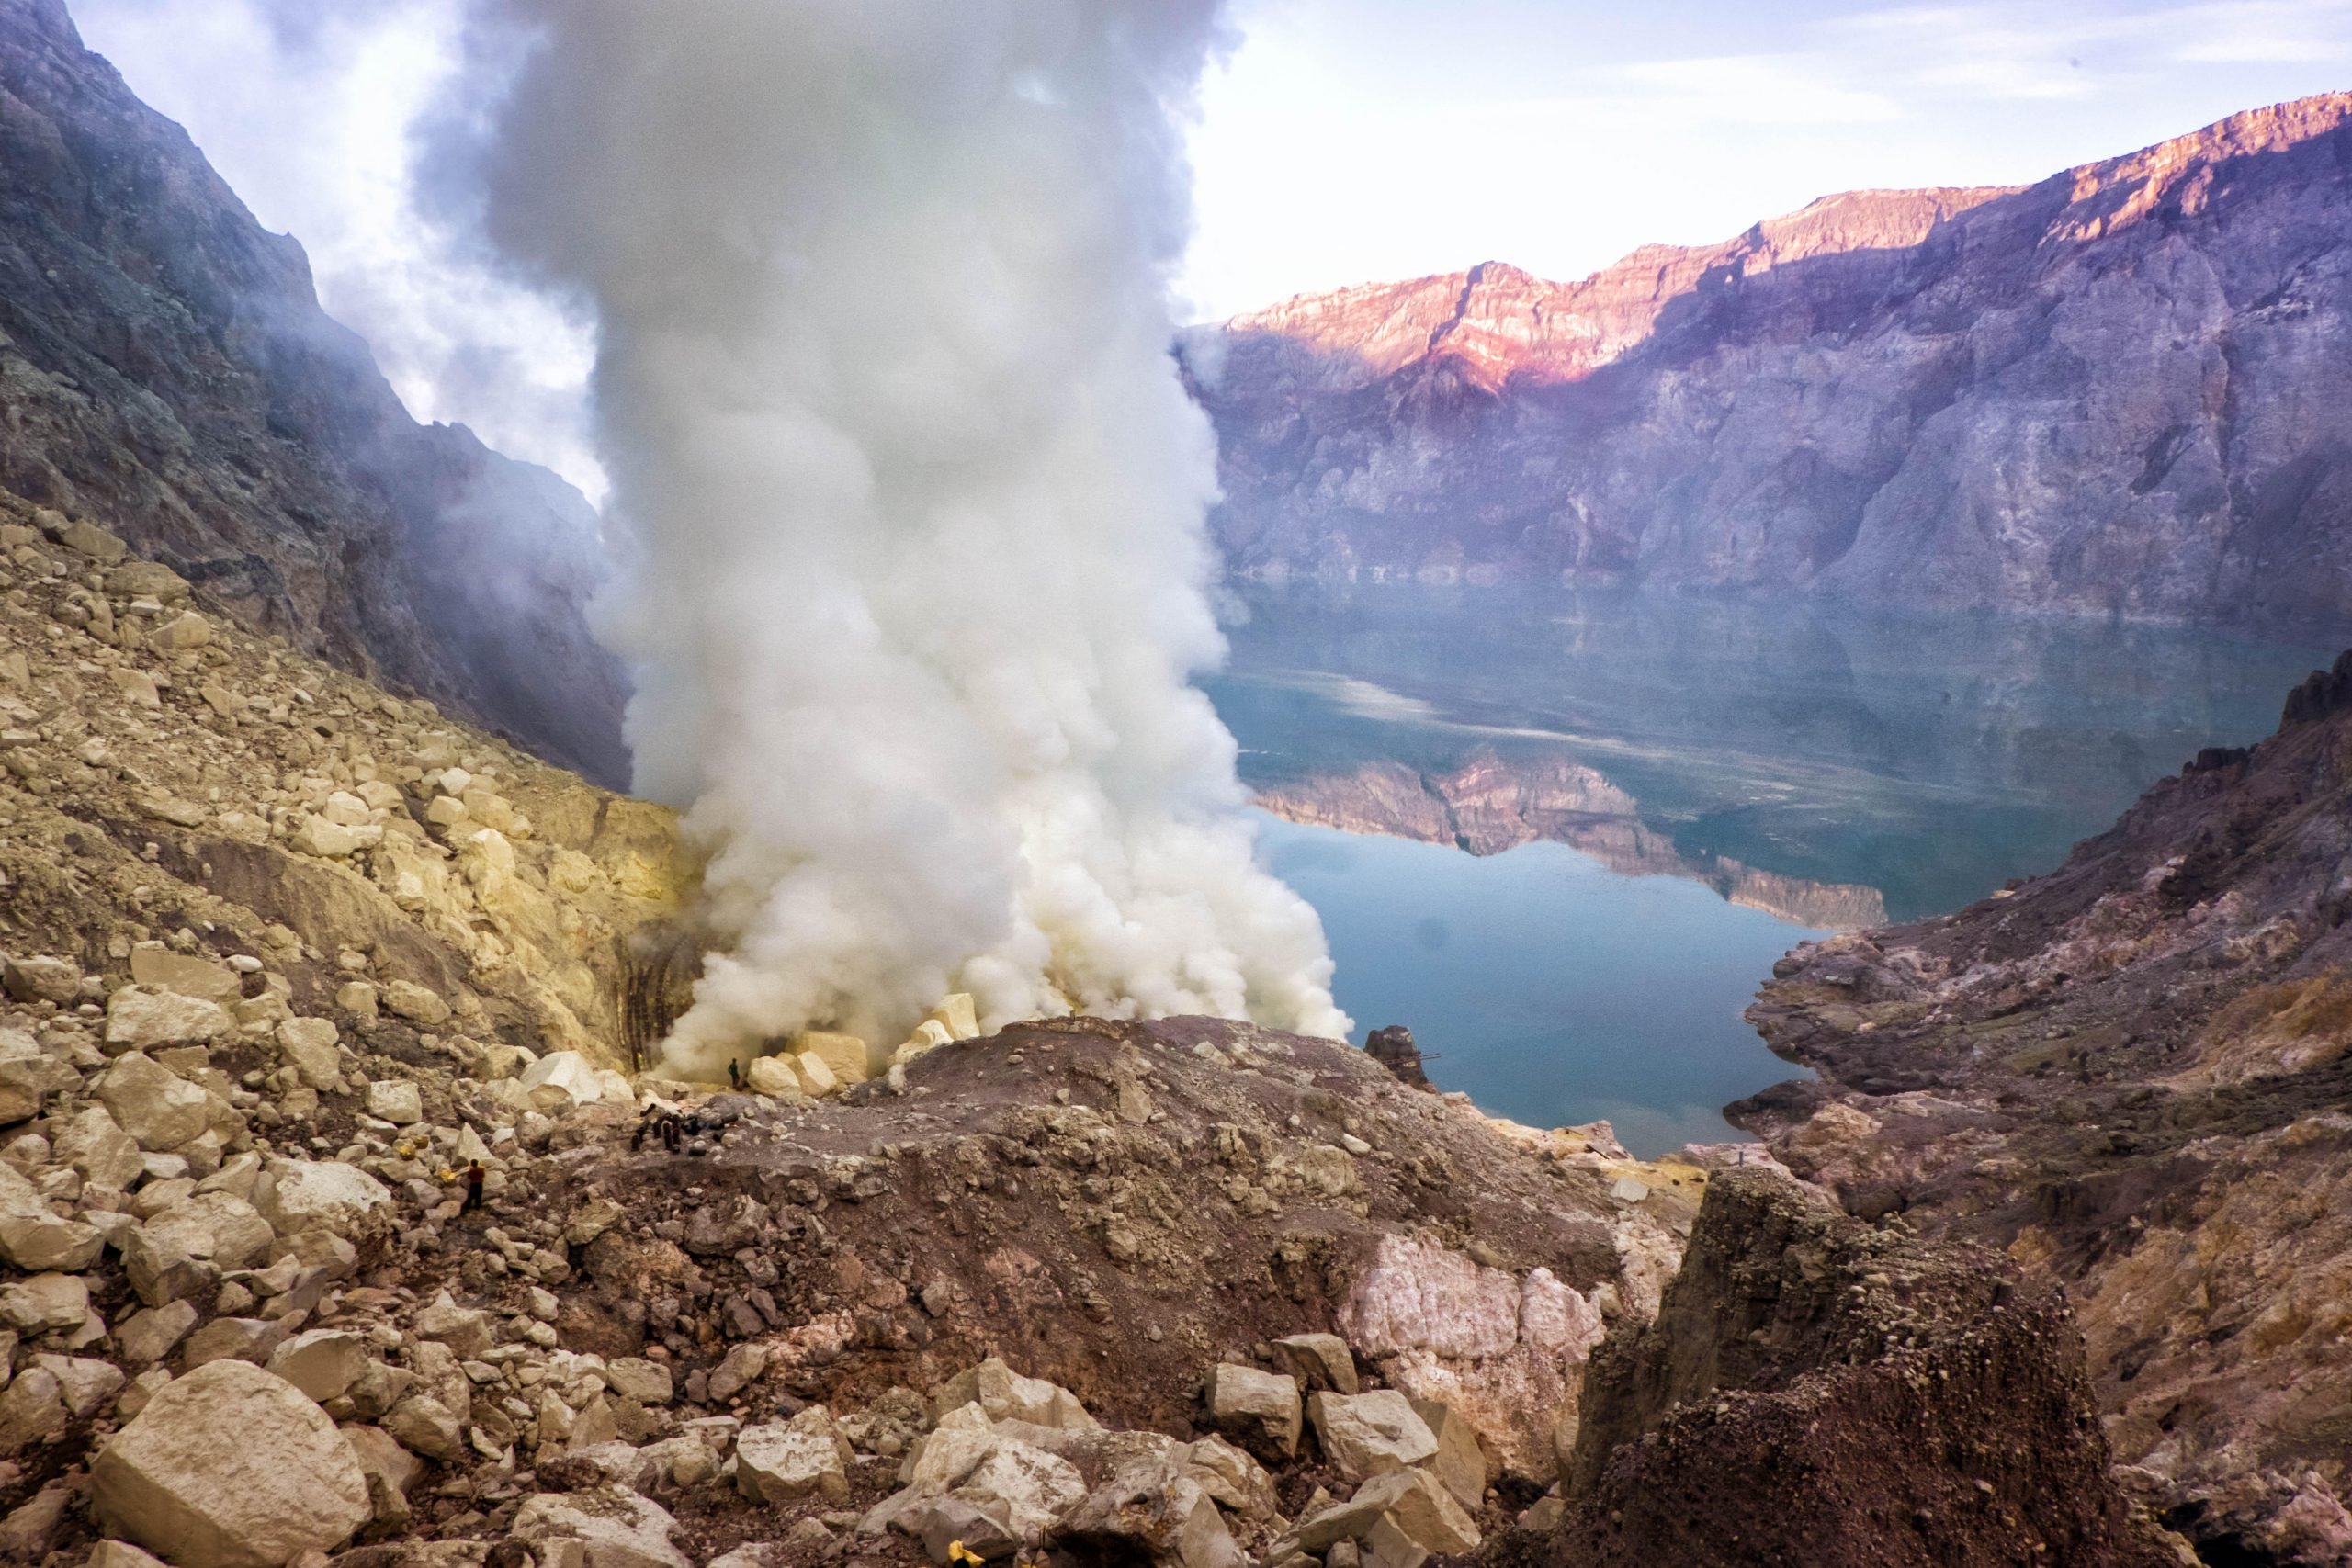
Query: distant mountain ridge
x=2123 y=390
x=166 y=369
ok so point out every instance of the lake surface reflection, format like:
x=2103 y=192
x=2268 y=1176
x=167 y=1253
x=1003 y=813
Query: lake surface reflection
x=1661 y=794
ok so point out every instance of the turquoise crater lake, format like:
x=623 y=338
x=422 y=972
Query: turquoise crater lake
x=1563 y=836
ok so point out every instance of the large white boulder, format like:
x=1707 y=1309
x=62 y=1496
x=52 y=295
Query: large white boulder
x=299 y=1195
x=230 y=1467
x=845 y=1056
x=566 y=1070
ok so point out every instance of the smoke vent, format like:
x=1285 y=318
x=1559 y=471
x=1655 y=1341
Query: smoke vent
x=659 y=967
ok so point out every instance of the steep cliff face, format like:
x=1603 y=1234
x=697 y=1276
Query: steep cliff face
x=2132 y=1075
x=2122 y=389
x=166 y=369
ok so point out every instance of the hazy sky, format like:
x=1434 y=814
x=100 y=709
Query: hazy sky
x=1343 y=140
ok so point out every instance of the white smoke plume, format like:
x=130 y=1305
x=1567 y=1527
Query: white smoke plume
x=884 y=391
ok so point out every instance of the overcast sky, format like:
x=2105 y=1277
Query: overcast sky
x=1343 y=140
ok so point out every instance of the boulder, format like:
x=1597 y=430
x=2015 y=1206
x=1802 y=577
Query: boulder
x=86 y=537
x=232 y=1339
x=742 y=1366
x=152 y=1335
x=1259 y=1410
x=1004 y=1394
x=615 y=1528
x=942 y=1523
x=92 y=1143
x=781 y=1462
x=1231 y=1477
x=816 y=1078
x=1318 y=1360
x=422 y=1425
x=324 y=1362
x=33 y=1238
x=773 y=1076
x=146 y=579
x=635 y=1378
x=1364 y=1435
x=1429 y=1516
x=843 y=1055
x=358 y=997
x=956 y=1015
x=1460 y=1463
x=1021 y=1487
x=44 y=1303
x=157 y=1106
x=406 y=999
x=314 y=835
x=29 y=1076
x=32 y=1411
x=567 y=1071
x=284 y=1483
x=299 y=1195
x=1386 y=1545
x=217 y=1226
x=396 y=1100
x=42 y=978
x=186 y=973
x=83 y=1383
x=307 y=1045
x=121 y=1554
x=465 y=1330
x=139 y=1018
x=1150 y=1512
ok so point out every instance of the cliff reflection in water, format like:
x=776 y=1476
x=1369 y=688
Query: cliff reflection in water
x=1489 y=804
x=1834 y=764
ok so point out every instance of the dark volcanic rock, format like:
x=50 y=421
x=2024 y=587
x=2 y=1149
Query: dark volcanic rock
x=2132 y=1075
x=1814 y=1392
x=167 y=371
x=2122 y=390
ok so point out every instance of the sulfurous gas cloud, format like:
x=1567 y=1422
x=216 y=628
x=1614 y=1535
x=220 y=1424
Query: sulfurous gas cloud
x=916 y=497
